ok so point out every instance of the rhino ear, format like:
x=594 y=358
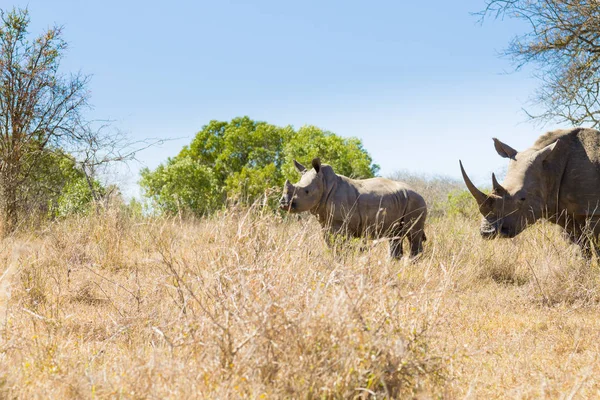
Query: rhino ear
x=504 y=150
x=301 y=168
x=316 y=163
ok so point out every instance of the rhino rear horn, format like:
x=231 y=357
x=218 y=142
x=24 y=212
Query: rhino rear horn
x=480 y=197
x=498 y=189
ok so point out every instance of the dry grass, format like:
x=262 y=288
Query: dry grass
x=246 y=304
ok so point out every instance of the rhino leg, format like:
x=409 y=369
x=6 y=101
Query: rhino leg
x=396 y=248
x=416 y=235
x=587 y=240
x=588 y=249
x=589 y=246
x=415 y=238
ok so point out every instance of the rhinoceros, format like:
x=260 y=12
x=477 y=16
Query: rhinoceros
x=558 y=179
x=373 y=208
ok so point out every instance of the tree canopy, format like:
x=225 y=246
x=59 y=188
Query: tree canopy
x=40 y=111
x=563 y=43
x=241 y=160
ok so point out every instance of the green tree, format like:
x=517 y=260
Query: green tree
x=346 y=155
x=56 y=186
x=242 y=160
x=77 y=197
x=46 y=181
x=39 y=107
x=183 y=184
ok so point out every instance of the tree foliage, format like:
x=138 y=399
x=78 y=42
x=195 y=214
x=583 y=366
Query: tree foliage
x=182 y=184
x=50 y=155
x=56 y=186
x=563 y=43
x=40 y=109
x=242 y=160
x=346 y=155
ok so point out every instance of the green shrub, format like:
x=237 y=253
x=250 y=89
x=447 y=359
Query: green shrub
x=243 y=161
x=461 y=202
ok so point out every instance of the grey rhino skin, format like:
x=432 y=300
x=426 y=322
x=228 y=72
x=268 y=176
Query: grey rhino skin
x=558 y=179
x=373 y=208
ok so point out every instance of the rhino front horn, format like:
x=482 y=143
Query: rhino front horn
x=478 y=194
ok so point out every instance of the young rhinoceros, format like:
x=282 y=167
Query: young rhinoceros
x=373 y=208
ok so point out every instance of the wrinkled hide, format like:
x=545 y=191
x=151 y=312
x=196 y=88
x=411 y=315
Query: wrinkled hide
x=373 y=208
x=558 y=179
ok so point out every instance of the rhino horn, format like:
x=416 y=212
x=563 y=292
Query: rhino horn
x=498 y=189
x=301 y=168
x=478 y=194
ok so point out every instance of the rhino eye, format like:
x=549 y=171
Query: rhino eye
x=306 y=191
x=522 y=199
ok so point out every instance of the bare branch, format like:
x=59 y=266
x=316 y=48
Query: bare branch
x=99 y=146
x=564 y=46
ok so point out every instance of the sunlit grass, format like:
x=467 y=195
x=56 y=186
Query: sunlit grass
x=248 y=304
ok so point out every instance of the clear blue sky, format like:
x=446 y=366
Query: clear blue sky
x=420 y=83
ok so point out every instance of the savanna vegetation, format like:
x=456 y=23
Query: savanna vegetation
x=248 y=303
x=51 y=155
x=242 y=161
x=211 y=293
x=41 y=112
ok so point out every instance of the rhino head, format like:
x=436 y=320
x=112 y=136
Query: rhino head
x=522 y=198
x=306 y=194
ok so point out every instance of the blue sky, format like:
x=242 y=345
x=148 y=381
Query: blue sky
x=421 y=83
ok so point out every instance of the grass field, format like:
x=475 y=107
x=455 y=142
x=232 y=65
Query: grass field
x=249 y=304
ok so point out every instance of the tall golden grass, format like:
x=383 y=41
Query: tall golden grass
x=247 y=303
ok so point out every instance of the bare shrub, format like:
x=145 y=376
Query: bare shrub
x=243 y=303
x=246 y=303
x=436 y=190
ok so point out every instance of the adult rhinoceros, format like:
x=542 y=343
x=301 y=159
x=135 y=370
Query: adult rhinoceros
x=558 y=178
x=373 y=208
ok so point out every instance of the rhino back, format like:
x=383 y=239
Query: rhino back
x=586 y=139
x=374 y=204
x=580 y=184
